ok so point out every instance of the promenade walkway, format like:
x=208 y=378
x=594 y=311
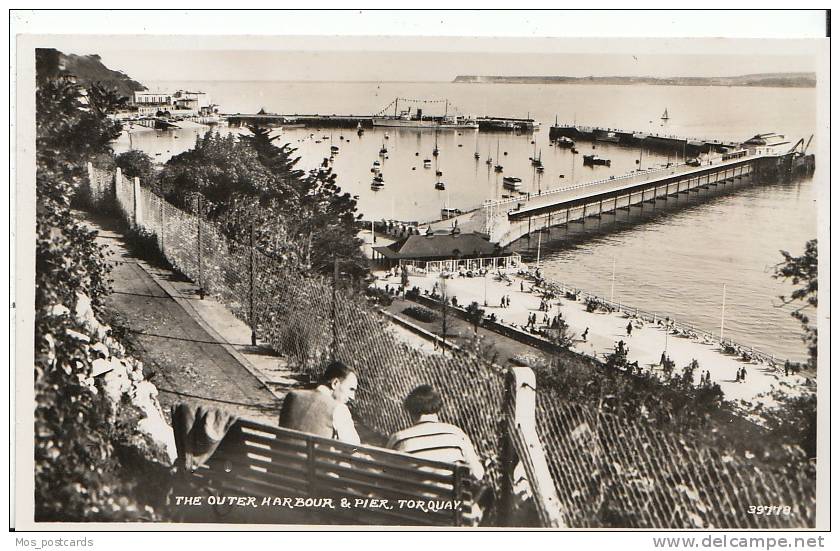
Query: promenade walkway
x=646 y=342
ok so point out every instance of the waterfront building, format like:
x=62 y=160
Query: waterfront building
x=182 y=103
x=451 y=251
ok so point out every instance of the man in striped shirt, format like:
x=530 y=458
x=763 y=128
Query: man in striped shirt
x=432 y=439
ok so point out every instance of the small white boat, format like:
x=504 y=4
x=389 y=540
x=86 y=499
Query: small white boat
x=511 y=183
x=449 y=212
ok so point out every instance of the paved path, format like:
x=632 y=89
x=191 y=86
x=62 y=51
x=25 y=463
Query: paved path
x=166 y=327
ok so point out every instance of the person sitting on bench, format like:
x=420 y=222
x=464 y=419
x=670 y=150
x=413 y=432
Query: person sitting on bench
x=323 y=410
x=432 y=439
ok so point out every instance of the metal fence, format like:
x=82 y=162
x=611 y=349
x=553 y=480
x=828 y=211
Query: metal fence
x=607 y=470
x=612 y=471
x=313 y=321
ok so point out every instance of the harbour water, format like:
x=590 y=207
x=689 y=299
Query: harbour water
x=674 y=261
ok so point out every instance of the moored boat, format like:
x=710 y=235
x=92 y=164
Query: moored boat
x=611 y=137
x=595 y=160
x=449 y=212
x=564 y=142
x=511 y=182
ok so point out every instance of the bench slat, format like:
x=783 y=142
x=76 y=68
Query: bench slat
x=380 y=454
x=396 y=482
x=267 y=461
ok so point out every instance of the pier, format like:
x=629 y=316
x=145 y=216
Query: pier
x=649 y=140
x=485 y=124
x=507 y=220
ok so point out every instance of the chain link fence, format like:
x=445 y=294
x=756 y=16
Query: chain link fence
x=608 y=471
x=313 y=321
x=612 y=471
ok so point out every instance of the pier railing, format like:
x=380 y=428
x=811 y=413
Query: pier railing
x=641 y=175
x=607 y=470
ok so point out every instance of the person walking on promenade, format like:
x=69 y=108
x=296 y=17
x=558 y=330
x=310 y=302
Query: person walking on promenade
x=662 y=359
x=323 y=410
x=744 y=374
x=787 y=368
x=584 y=334
x=629 y=328
x=521 y=286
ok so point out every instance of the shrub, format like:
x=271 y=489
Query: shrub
x=421 y=313
x=136 y=164
x=379 y=296
x=144 y=244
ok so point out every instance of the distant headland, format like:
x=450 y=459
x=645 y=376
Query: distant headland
x=770 y=80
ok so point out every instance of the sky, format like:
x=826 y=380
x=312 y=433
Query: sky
x=336 y=58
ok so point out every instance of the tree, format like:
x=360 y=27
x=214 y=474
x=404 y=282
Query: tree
x=218 y=167
x=136 y=164
x=562 y=336
x=802 y=270
x=474 y=315
x=322 y=222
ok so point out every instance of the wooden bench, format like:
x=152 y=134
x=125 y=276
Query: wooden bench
x=276 y=466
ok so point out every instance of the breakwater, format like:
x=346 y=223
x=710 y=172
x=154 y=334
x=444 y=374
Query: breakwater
x=635 y=138
x=485 y=124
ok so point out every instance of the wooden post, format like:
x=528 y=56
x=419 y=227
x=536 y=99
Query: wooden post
x=251 y=289
x=162 y=226
x=521 y=438
x=333 y=310
x=200 y=259
x=138 y=208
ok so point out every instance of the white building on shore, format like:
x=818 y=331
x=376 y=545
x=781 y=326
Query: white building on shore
x=182 y=103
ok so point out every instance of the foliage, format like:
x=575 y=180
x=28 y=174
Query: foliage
x=79 y=476
x=253 y=191
x=218 y=167
x=136 y=164
x=413 y=293
x=474 y=314
x=618 y=358
x=421 y=313
x=379 y=296
x=562 y=335
x=802 y=270
x=72 y=127
x=794 y=420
